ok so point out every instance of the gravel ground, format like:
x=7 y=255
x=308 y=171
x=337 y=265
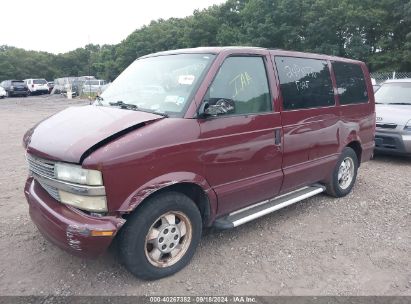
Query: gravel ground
x=357 y=245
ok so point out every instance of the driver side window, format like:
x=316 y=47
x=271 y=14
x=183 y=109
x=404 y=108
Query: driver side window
x=241 y=86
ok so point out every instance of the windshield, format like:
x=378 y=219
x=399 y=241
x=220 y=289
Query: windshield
x=162 y=84
x=394 y=93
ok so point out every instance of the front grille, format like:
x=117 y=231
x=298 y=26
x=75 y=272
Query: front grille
x=40 y=166
x=386 y=126
x=386 y=142
x=44 y=168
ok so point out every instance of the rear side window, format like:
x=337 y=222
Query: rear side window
x=242 y=82
x=305 y=83
x=350 y=83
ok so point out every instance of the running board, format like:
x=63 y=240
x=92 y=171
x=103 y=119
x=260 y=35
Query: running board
x=252 y=212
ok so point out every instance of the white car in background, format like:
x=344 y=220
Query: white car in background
x=37 y=86
x=94 y=86
x=2 y=92
x=393 y=111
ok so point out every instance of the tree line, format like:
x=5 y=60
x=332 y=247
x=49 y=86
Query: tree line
x=375 y=31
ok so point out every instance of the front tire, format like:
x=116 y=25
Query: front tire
x=344 y=175
x=160 y=238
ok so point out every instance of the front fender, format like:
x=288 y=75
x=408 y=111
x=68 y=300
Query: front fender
x=166 y=180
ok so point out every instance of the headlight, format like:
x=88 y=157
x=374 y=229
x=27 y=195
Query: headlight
x=408 y=126
x=90 y=203
x=76 y=174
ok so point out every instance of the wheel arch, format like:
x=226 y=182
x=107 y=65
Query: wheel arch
x=189 y=184
x=356 y=146
x=354 y=142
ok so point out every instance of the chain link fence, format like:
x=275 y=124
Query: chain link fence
x=380 y=77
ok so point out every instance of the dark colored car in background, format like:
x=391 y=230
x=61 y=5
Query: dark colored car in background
x=192 y=138
x=15 y=88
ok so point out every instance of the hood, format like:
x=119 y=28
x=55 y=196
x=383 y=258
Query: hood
x=67 y=135
x=395 y=114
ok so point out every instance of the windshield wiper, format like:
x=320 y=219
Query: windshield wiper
x=153 y=112
x=401 y=103
x=124 y=105
x=134 y=107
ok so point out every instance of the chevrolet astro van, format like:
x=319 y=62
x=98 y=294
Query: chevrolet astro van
x=195 y=138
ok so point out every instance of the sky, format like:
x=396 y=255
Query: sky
x=62 y=26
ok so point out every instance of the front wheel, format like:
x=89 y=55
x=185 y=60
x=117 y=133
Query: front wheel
x=344 y=175
x=160 y=238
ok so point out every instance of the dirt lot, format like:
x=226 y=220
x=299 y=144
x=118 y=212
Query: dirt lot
x=357 y=245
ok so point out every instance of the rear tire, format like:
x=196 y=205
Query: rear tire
x=344 y=175
x=160 y=238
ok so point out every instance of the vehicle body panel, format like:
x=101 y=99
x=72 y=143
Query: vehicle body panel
x=314 y=138
x=67 y=227
x=236 y=160
x=93 y=124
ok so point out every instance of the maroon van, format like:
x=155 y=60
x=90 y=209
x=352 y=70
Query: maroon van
x=194 y=138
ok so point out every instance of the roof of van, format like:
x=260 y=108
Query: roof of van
x=247 y=49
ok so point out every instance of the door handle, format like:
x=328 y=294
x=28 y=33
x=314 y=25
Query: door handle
x=277 y=137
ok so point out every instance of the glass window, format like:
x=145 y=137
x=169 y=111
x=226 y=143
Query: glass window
x=350 y=83
x=394 y=93
x=305 y=83
x=161 y=84
x=242 y=83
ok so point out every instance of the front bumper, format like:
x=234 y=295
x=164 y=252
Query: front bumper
x=393 y=142
x=67 y=227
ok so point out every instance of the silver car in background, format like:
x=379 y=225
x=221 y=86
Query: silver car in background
x=94 y=86
x=393 y=110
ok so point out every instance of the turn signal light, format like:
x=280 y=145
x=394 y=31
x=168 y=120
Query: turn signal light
x=101 y=233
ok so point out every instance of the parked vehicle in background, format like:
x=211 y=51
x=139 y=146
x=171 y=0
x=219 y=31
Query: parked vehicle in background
x=15 y=88
x=197 y=137
x=37 y=86
x=2 y=92
x=50 y=84
x=393 y=110
x=93 y=86
x=376 y=87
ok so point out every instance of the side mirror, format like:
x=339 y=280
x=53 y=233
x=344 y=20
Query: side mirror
x=221 y=107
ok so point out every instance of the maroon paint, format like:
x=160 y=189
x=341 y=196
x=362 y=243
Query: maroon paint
x=233 y=159
x=69 y=133
x=67 y=227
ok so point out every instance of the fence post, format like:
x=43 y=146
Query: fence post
x=393 y=75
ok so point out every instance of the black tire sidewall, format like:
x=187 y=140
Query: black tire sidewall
x=133 y=234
